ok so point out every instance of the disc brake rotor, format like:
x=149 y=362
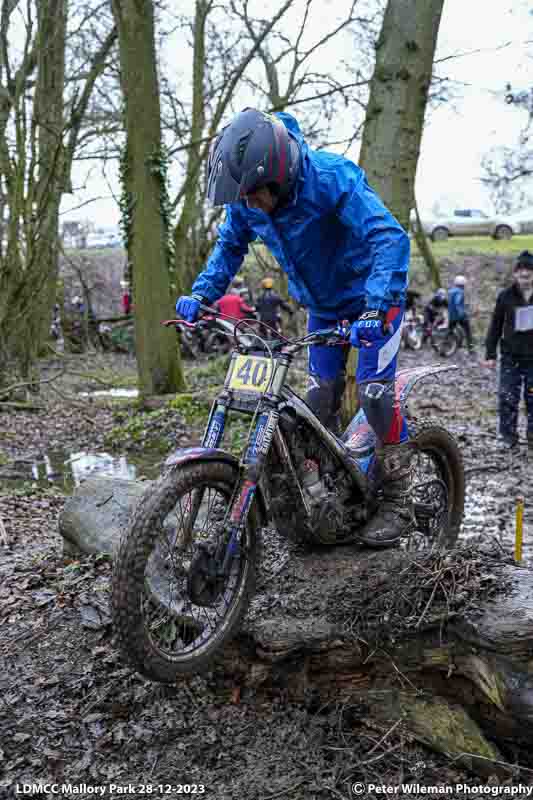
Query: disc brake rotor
x=204 y=583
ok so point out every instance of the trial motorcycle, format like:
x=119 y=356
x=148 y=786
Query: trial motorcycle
x=186 y=566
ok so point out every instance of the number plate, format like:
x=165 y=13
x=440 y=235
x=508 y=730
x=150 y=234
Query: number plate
x=250 y=374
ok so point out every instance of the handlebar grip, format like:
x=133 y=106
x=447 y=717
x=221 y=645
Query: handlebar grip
x=208 y=309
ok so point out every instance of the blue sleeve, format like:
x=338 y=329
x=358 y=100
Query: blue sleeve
x=234 y=236
x=360 y=209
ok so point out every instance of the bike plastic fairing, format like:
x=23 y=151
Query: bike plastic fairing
x=359 y=437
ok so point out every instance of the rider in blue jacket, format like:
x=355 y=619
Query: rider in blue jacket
x=457 y=313
x=346 y=257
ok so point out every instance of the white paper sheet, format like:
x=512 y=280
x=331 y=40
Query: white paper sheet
x=524 y=319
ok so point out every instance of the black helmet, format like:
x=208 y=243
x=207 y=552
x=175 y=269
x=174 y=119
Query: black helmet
x=254 y=150
x=524 y=260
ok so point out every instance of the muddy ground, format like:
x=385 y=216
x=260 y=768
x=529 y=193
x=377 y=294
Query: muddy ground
x=72 y=712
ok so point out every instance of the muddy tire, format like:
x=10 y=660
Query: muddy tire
x=431 y=439
x=130 y=595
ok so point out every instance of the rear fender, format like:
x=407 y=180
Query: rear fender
x=359 y=436
x=407 y=378
x=190 y=455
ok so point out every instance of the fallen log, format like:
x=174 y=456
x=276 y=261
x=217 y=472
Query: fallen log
x=439 y=643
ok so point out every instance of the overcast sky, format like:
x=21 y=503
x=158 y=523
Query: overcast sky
x=456 y=135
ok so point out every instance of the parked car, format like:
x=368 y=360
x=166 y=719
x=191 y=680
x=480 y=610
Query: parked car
x=524 y=218
x=470 y=222
x=101 y=241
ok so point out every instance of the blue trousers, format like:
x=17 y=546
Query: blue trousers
x=376 y=365
x=516 y=375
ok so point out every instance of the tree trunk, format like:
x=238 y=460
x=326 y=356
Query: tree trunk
x=395 y=114
x=157 y=352
x=437 y=645
x=186 y=255
x=426 y=252
x=397 y=103
x=49 y=111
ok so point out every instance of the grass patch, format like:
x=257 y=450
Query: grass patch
x=194 y=410
x=477 y=245
x=208 y=374
x=236 y=433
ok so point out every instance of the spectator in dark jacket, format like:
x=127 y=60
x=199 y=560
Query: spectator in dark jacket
x=269 y=303
x=435 y=307
x=457 y=314
x=512 y=327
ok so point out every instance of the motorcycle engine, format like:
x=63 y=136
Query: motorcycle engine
x=334 y=517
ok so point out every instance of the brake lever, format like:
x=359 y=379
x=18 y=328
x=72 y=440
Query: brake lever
x=176 y=322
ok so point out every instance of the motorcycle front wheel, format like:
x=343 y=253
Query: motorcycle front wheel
x=172 y=609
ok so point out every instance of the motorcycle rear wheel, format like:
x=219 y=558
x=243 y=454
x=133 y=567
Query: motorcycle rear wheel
x=170 y=618
x=437 y=460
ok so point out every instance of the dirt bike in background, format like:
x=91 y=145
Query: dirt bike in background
x=185 y=570
x=210 y=336
x=444 y=341
x=191 y=342
x=220 y=337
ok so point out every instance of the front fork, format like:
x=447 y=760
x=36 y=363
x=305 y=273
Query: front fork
x=213 y=435
x=251 y=468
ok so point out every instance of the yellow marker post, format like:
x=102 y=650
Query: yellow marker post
x=519 y=529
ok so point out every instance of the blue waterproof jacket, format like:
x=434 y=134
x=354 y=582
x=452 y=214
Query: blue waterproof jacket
x=340 y=247
x=456 y=304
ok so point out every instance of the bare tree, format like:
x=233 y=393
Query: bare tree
x=288 y=77
x=235 y=53
x=39 y=130
x=211 y=99
x=507 y=170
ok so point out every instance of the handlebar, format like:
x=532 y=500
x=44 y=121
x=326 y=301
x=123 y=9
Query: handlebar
x=338 y=334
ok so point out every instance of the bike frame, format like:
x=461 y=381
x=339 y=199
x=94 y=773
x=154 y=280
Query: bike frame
x=265 y=407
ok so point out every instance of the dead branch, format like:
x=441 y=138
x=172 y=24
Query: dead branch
x=9 y=389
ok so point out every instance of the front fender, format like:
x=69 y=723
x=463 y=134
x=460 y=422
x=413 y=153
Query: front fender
x=188 y=455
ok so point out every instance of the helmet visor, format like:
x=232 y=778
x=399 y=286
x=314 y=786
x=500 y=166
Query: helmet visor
x=221 y=187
